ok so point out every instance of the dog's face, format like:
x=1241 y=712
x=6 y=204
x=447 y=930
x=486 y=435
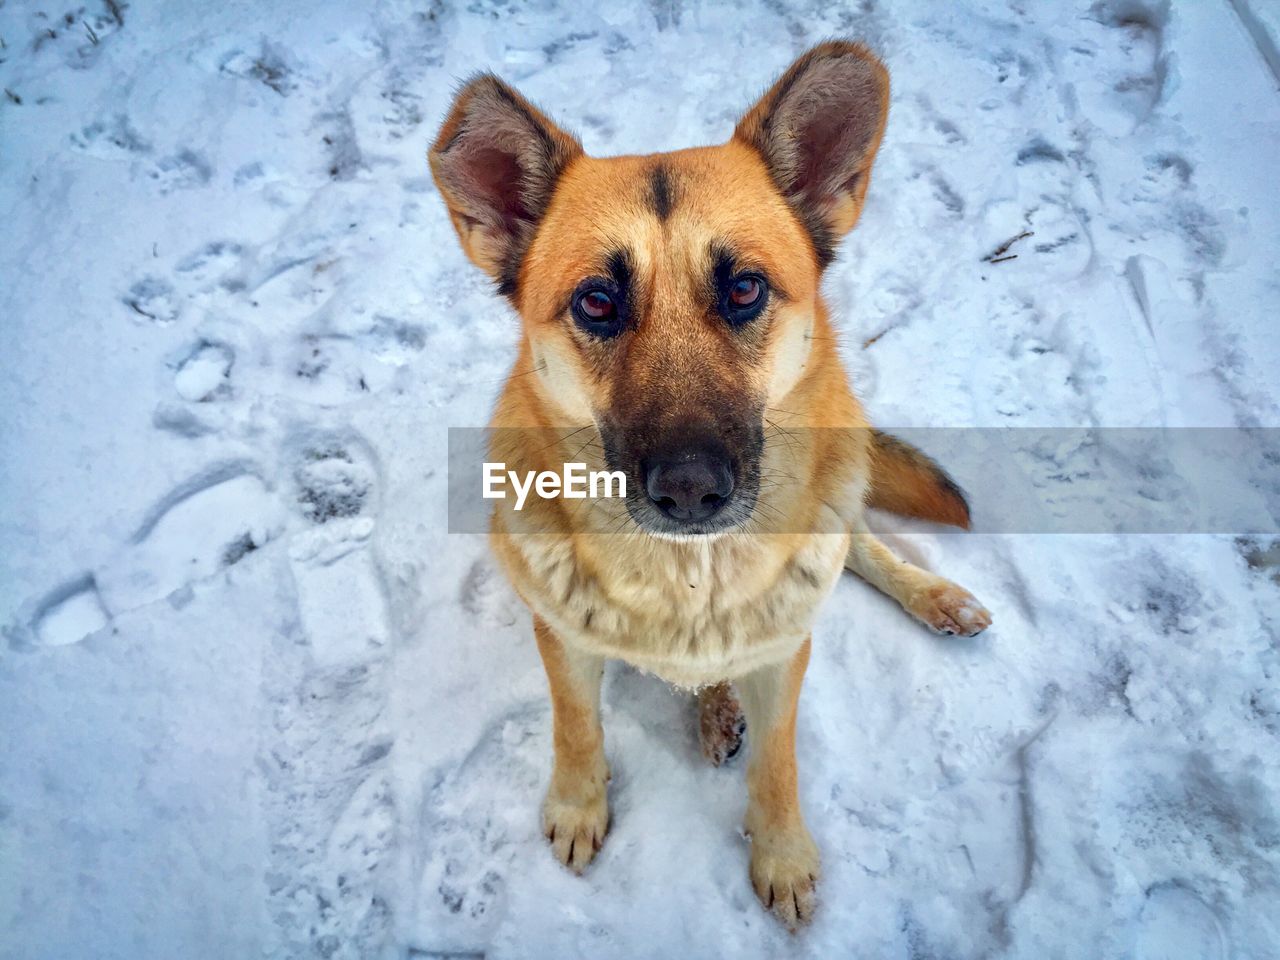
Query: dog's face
x=671 y=320
x=669 y=299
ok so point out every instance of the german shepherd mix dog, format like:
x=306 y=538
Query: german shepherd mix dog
x=672 y=324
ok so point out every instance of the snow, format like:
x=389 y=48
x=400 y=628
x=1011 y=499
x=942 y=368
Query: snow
x=255 y=700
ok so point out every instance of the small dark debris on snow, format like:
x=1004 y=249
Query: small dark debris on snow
x=238 y=549
x=133 y=304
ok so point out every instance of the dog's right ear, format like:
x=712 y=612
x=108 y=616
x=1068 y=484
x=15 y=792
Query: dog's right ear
x=496 y=163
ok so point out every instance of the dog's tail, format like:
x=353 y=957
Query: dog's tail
x=906 y=481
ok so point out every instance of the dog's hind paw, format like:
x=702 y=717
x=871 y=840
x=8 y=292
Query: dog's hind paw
x=949 y=609
x=721 y=725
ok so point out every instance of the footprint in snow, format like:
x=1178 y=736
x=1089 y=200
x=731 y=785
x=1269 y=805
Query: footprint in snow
x=211 y=263
x=69 y=613
x=1175 y=924
x=203 y=373
x=1120 y=55
x=152 y=300
x=181 y=171
x=111 y=138
x=335 y=367
x=202 y=527
x=482 y=822
x=486 y=598
x=340 y=593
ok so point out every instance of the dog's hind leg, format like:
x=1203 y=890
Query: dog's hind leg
x=784 y=858
x=935 y=601
x=575 y=814
x=721 y=724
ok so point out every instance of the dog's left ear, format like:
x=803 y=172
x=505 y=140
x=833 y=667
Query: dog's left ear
x=818 y=129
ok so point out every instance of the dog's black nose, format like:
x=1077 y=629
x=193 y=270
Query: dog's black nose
x=691 y=487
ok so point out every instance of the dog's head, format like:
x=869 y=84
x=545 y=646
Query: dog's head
x=669 y=299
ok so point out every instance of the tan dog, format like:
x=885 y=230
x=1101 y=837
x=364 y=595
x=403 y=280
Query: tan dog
x=673 y=329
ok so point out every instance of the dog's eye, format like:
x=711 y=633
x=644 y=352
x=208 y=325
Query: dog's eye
x=598 y=309
x=597 y=306
x=744 y=297
x=745 y=292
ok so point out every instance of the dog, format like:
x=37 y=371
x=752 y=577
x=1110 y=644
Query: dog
x=672 y=328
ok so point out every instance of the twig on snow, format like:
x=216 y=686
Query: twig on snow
x=998 y=254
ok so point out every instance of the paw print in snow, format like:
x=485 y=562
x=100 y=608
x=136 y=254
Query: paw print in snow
x=332 y=484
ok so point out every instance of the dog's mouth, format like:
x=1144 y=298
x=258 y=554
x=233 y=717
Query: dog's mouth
x=692 y=484
x=657 y=518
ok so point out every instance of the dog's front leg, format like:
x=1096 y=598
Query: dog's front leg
x=784 y=858
x=935 y=601
x=575 y=814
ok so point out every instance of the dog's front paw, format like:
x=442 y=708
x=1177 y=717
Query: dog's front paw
x=949 y=609
x=575 y=829
x=784 y=873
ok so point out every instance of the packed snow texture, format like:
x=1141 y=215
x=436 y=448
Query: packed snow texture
x=255 y=701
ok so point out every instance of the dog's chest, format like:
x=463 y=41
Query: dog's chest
x=692 y=613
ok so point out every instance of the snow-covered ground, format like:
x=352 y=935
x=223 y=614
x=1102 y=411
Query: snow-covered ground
x=255 y=701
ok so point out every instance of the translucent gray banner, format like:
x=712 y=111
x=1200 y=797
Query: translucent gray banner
x=1017 y=480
